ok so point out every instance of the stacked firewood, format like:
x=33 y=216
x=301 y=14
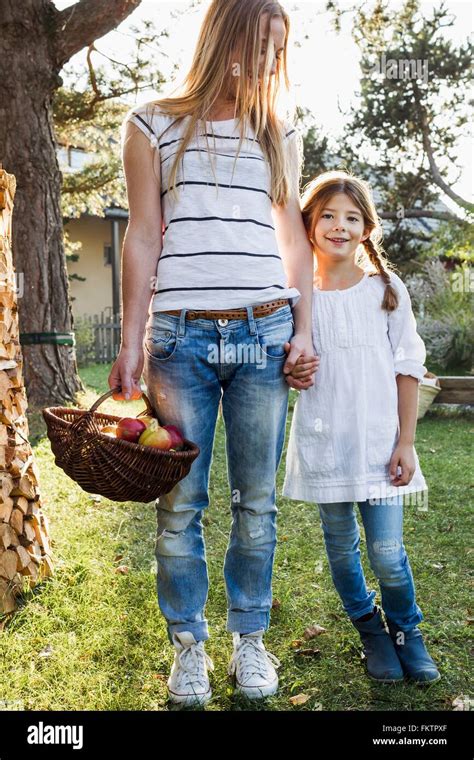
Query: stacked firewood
x=25 y=554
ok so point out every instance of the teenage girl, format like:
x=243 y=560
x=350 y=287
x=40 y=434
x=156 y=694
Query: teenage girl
x=215 y=228
x=352 y=434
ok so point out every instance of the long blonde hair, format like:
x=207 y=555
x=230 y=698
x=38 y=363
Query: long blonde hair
x=371 y=257
x=229 y=44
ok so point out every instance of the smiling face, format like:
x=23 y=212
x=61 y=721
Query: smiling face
x=339 y=228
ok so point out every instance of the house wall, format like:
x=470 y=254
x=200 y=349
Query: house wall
x=94 y=294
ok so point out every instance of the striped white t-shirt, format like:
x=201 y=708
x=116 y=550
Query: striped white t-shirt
x=219 y=244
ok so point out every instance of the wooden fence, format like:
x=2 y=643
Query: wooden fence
x=97 y=337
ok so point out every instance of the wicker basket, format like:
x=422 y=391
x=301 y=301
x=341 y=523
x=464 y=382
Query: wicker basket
x=428 y=390
x=102 y=464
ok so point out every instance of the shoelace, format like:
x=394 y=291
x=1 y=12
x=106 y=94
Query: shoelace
x=191 y=661
x=253 y=660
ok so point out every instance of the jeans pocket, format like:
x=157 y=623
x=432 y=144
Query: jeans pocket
x=271 y=336
x=160 y=342
x=381 y=440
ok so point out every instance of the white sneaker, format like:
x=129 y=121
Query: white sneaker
x=188 y=683
x=252 y=666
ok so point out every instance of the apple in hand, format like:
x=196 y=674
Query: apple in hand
x=177 y=440
x=130 y=429
x=157 y=437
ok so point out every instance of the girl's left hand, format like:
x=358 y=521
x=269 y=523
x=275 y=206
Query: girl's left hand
x=404 y=457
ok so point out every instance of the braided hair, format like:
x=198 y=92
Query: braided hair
x=375 y=254
x=371 y=257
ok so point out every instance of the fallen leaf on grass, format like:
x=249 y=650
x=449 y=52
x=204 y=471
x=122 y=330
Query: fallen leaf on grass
x=123 y=569
x=446 y=529
x=462 y=702
x=307 y=652
x=300 y=699
x=312 y=631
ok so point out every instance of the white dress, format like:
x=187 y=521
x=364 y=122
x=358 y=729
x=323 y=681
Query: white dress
x=345 y=427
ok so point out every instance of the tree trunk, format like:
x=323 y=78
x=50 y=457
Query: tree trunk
x=35 y=42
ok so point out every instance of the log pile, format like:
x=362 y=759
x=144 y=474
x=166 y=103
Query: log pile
x=25 y=553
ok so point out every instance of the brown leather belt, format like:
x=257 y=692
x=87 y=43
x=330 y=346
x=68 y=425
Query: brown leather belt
x=263 y=310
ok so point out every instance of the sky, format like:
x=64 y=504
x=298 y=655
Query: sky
x=335 y=56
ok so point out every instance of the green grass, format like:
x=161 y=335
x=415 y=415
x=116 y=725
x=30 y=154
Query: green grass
x=90 y=638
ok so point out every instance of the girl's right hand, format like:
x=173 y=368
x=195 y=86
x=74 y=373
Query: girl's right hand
x=303 y=370
x=126 y=372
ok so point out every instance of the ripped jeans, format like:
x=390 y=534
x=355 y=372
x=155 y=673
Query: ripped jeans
x=190 y=365
x=383 y=525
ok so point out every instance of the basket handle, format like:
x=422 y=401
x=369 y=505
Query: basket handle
x=148 y=411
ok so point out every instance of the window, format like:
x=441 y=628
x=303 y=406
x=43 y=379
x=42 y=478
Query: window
x=107 y=255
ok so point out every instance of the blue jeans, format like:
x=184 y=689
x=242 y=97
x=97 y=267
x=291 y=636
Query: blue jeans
x=383 y=524
x=189 y=366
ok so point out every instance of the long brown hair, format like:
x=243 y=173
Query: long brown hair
x=316 y=196
x=228 y=44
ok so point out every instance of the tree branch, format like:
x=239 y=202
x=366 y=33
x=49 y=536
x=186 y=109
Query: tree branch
x=435 y=173
x=80 y=24
x=419 y=213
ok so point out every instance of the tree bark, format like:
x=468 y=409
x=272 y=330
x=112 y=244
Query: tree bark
x=36 y=40
x=80 y=24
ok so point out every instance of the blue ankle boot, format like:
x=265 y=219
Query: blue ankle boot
x=381 y=658
x=411 y=650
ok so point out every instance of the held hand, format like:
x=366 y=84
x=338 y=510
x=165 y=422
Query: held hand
x=126 y=372
x=403 y=457
x=301 y=363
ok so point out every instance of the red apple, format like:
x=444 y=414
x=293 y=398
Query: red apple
x=159 y=438
x=177 y=439
x=130 y=429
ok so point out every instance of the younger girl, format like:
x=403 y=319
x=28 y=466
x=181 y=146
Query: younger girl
x=352 y=433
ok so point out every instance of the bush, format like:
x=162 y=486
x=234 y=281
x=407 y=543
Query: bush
x=85 y=341
x=443 y=305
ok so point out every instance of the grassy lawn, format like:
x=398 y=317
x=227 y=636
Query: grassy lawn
x=92 y=638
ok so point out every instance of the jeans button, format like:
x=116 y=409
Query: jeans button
x=222 y=322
